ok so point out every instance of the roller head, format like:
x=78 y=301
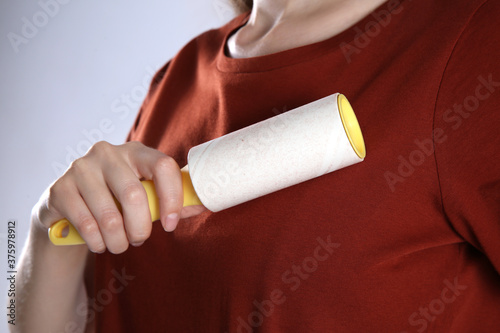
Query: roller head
x=279 y=152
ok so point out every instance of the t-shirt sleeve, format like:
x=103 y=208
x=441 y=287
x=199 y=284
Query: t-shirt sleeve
x=157 y=78
x=467 y=133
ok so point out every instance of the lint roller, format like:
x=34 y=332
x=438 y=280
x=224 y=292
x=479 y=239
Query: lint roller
x=288 y=149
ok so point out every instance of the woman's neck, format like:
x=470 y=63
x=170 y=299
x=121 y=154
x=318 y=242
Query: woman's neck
x=278 y=25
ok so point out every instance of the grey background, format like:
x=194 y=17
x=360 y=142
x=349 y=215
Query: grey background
x=63 y=87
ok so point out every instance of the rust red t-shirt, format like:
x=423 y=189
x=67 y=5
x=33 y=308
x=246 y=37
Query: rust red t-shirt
x=407 y=241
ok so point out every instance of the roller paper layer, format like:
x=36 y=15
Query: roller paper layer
x=276 y=153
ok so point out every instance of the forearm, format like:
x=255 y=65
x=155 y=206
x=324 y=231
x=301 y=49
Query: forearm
x=51 y=295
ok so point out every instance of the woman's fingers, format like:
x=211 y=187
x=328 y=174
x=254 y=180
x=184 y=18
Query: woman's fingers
x=167 y=177
x=168 y=184
x=86 y=194
x=82 y=219
x=64 y=200
x=94 y=190
x=129 y=191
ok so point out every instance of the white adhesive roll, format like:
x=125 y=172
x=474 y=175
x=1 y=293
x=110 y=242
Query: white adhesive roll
x=279 y=152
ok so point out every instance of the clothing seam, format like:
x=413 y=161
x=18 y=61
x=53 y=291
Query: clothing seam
x=458 y=39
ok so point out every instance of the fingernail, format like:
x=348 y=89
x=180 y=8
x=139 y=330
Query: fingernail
x=171 y=222
x=136 y=244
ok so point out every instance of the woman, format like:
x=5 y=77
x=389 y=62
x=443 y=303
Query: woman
x=407 y=241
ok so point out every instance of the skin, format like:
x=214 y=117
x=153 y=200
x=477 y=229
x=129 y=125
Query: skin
x=84 y=194
x=280 y=25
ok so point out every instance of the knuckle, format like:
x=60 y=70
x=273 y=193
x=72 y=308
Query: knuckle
x=79 y=166
x=50 y=205
x=102 y=145
x=101 y=148
x=87 y=226
x=164 y=163
x=110 y=220
x=54 y=191
x=57 y=192
x=133 y=194
x=173 y=199
x=134 y=145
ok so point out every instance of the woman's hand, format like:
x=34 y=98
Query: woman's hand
x=84 y=195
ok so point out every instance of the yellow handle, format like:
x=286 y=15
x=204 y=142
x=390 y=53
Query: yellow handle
x=64 y=233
